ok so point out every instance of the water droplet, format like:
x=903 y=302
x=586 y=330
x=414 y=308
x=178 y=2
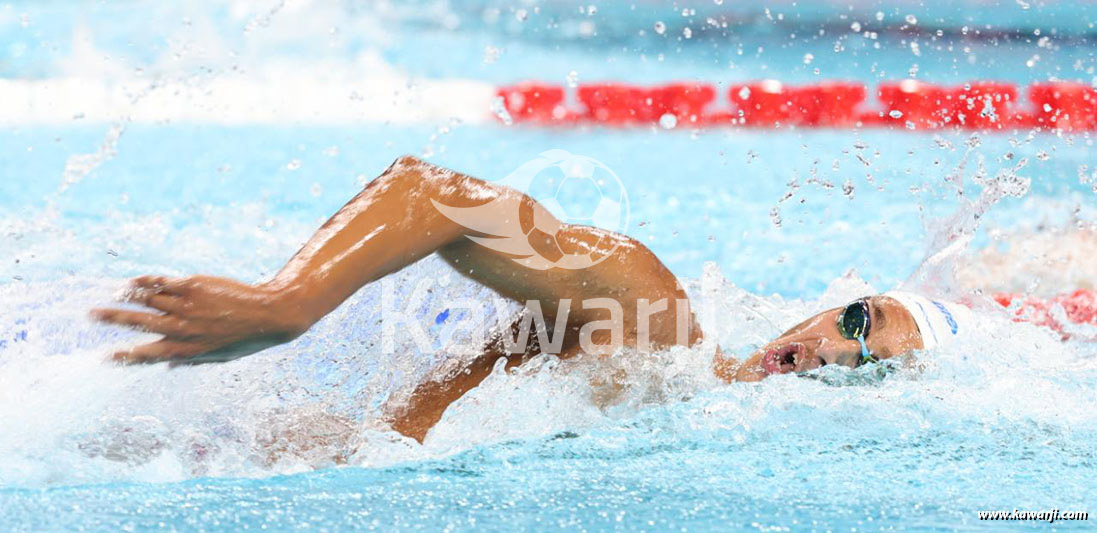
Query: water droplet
x=911 y=19
x=895 y=113
x=808 y=58
x=879 y=15
x=660 y=28
x=293 y=165
x=521 y=15
x=316 y=190
x=856 y=27
x=668 y=121
x=572 y=79
x=491 y=54
x=744 y=93
x=687 y=33
x=1042 y=155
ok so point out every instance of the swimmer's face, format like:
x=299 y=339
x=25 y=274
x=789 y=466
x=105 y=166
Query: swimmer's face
x=817 y=341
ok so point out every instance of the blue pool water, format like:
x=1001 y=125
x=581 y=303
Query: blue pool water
x=775 y=225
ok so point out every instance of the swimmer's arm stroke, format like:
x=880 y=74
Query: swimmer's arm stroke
x=392 y=223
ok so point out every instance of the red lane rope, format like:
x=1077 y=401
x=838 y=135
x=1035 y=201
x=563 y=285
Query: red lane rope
x=906 y=104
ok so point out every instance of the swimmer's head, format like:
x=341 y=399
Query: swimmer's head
x=868 y=329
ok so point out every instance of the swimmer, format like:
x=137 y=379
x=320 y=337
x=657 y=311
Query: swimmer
x=394 y=222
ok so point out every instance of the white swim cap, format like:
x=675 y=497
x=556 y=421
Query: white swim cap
x=938 y=322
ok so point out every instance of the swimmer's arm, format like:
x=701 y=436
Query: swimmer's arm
x=430 y=399
x=389 y=225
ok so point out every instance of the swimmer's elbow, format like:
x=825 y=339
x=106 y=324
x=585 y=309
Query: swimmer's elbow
x=411 y=172
x=407 y=161
x=402 y=168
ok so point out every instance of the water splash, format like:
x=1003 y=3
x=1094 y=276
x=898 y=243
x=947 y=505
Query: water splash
x=78 y=166
x=952 y=236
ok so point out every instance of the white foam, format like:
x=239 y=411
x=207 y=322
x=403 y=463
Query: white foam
x=279 y=97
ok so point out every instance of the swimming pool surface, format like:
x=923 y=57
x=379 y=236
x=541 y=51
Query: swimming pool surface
x=764 y=228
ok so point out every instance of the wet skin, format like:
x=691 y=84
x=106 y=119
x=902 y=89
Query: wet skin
x=393 y=223
x=816 y=342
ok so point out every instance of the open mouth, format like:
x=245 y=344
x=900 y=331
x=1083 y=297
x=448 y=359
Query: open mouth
x=781 y=360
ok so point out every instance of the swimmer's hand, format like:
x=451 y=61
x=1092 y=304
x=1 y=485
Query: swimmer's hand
x=204 y=319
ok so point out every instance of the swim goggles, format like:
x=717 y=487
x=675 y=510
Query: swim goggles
x=854 y=323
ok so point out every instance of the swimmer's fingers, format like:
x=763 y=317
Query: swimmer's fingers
x=162 y=284
x=156 y=352
x=149 y=282
x=163 y=324
x=167 y=303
